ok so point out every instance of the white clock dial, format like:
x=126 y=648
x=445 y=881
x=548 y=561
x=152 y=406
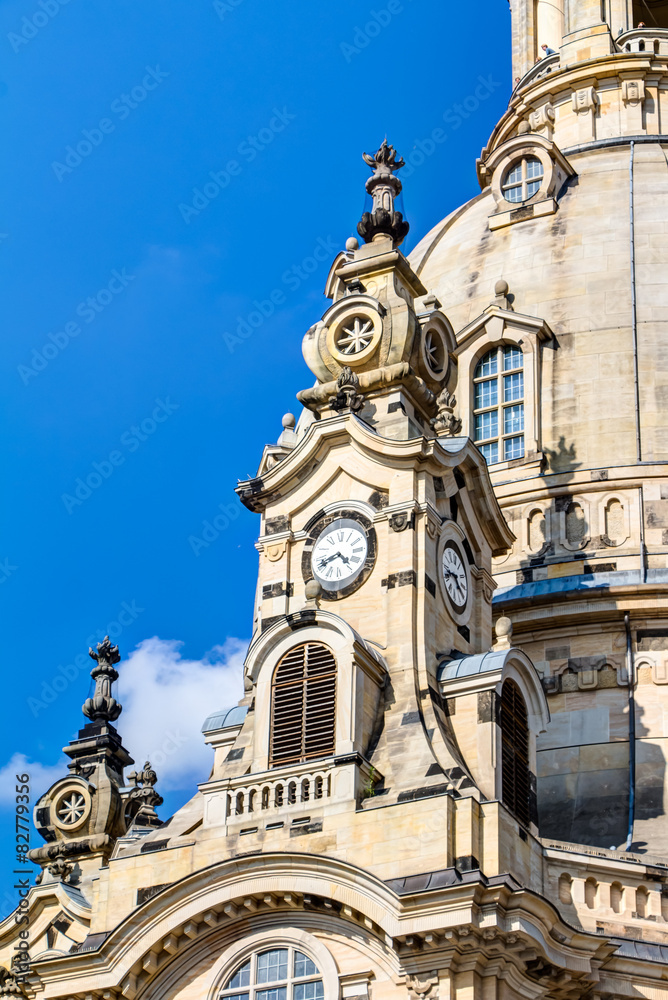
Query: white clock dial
x=339 y=555
x=455 y=577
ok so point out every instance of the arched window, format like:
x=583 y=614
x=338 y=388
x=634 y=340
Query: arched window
x=303 y=700
x=523 y=180
x=277 y=974
x=514 y=751
x=498 y=404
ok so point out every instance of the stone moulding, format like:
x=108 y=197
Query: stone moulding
x=148 y=951
x=378 y=378
x=433 y=454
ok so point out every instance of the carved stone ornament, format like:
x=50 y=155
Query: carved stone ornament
x=61 y=868
x=445 y=422
x=402 y=520
x=102 y=707
x=384 y=187
x=143 y=798
x=419 y=987
x=275 y=551
x=633 y=91
x=543 y=118
x=10 y=984
x=585 y=100
x=347 y=397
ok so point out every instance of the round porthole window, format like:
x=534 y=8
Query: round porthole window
x=71 y=808
x=354 y=337
x=523 y=180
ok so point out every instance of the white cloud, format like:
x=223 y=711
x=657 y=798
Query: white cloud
x=41 y=777
x=166 y=698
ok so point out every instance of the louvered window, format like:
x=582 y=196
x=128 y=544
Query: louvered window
x=515 y=751
x=303 y=705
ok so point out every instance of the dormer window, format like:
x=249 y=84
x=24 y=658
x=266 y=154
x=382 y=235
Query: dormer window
x=523 y=180
x=498 y=404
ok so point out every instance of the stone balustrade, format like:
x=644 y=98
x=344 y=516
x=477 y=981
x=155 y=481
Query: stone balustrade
x=286 y=793
x=652 y=40
x=613 y=900
x=246 y=799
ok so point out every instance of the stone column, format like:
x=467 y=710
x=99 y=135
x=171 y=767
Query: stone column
x=583 y=14
x=549 y=28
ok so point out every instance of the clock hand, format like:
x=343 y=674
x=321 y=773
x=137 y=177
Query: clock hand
x=324 y=562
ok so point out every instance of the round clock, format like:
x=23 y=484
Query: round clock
x=455 y=576
x=340 y=552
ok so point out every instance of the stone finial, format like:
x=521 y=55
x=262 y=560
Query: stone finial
x=102 y=707
x=144 y=797
x=504 y=633
x=352 y=244
x=501 y=290
x=288 y=437
x=445 y=422
x=313 y=593
x=347 y=396
x=384 y=187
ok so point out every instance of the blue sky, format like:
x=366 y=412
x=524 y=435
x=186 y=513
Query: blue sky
x=165 y=168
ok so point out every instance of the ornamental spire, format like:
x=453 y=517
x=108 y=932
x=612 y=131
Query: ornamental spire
x=384 y=187
x=102 y=707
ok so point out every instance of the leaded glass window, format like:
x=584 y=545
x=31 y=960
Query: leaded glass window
x=498 y=404
x=275 y=974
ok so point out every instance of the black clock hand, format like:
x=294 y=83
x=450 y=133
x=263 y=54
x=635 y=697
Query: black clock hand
x=323 y=562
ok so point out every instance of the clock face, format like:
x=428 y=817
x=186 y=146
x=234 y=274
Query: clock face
x=339 y=554
x=455 y=576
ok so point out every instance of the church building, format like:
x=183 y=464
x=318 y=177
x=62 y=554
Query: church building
x=446 y=779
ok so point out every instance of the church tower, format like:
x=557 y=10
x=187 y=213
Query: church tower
x=446 y=777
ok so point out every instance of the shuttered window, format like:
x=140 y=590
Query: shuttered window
x=303 y=714
x=515 y=751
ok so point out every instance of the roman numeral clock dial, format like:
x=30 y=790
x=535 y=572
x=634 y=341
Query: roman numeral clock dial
x=454 y=575
x=340 y=554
